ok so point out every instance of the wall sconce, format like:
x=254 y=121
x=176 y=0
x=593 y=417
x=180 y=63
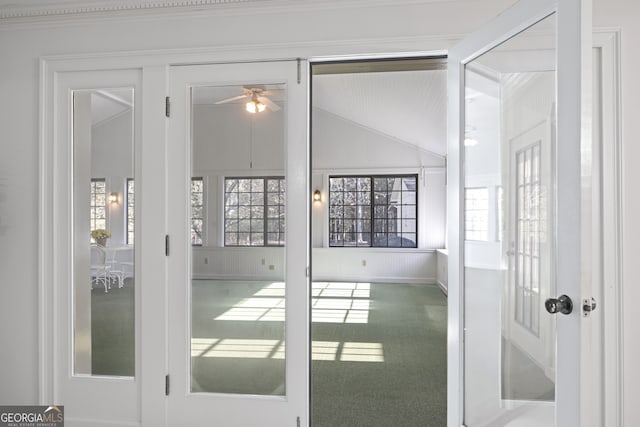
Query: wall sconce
x=317 y=196
x=113 y=197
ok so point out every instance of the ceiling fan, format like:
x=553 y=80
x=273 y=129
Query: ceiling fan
x=258 y=100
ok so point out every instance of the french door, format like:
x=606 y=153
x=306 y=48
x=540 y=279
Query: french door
x=519 y=350
x=238 y=227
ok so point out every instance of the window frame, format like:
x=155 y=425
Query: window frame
x=265 y=216
x=130 y=211
x=372 y=217
x=486 y=222
x=204 y=214
x=93 y=206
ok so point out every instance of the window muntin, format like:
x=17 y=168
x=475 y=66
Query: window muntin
x=197 y=211
x=373 y=211
x=98 y=204
x=254 y=211
x=130 y=198
x=476 y=214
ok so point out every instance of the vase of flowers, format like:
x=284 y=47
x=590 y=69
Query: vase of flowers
x=101 y=235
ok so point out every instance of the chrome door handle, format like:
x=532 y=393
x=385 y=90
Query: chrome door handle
x=562 y=304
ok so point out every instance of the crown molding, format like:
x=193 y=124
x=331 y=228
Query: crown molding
x=75 y=7
x=47 y=10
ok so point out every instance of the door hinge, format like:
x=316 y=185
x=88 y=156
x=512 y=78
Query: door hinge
x=299 y=70
x=166 y=245
x=298 y=421
x=167 y=106
x=166 y=385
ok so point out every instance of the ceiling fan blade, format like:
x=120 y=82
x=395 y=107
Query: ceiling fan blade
x=272 y=91
x=269 y=103
x=233 y=98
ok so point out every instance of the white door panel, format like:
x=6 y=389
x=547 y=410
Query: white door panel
x=96 y=357
x=517 y=101
x=238 y=190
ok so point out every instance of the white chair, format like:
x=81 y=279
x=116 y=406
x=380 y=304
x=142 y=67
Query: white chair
x=124 y=259
x=99 y=267
x=120 y=262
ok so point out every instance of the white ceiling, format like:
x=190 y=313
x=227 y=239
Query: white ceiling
x=408 y=106
x=109 y=103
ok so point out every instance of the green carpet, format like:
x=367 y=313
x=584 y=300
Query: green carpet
x=379 y=362
x=409 y=387
x=112 y=330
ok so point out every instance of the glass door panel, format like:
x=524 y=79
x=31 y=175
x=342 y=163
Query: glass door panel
x=104 y=298
x=238 y=203
x=509 y=242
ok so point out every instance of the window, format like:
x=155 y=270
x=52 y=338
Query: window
x=130 y=211
x=528 y=237
x=373 y=211
x=254 y=211
x=97 y=207
x=197 y=211
x=476 y=214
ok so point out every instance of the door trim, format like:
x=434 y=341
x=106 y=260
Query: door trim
x=607 y=41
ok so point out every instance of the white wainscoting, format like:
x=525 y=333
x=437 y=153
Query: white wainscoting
x=375 y=264
x=238 y=263
x=361 y=264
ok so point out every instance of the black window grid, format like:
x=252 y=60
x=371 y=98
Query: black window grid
x=98 y=204
x=368 y=211
x=254 y=211
x=197 y=211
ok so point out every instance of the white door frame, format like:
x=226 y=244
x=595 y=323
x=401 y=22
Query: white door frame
x=154 y=67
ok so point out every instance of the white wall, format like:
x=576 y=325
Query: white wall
x=229 y=142
x=112 y=159
x=21 y=45
x=341 y=146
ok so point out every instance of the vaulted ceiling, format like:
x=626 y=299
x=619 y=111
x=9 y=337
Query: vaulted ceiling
x=407 y=106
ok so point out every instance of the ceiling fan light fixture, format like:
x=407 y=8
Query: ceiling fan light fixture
x=252 y=107
x=255 y=106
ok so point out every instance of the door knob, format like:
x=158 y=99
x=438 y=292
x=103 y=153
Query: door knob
x=562 y=304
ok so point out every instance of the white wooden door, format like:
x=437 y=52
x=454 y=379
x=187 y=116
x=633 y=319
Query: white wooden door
x=519 y=114
x=238 y=227
x=96 y=311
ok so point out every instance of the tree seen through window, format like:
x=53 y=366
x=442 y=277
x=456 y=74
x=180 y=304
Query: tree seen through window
x=373 y=211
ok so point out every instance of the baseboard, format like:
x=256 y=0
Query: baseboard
x=443 y=287
x=377 y=279
x=236 y=277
